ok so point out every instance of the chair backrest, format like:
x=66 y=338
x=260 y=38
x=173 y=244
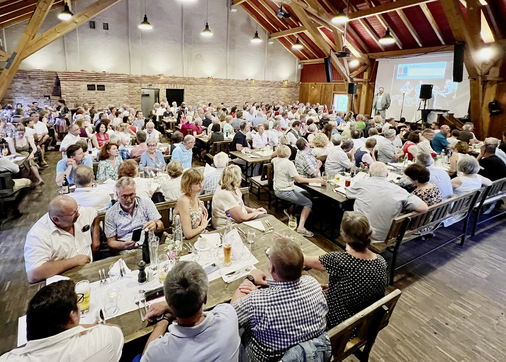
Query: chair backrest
x=220 y=146
x=495 y=191
x=362 y=329
x=6 y=183
x=414 y=221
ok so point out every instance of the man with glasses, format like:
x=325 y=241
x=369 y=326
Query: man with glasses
x=65 y=237
x=291 y=310
x=54 y=332
x=129 y=214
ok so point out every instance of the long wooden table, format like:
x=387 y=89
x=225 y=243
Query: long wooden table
x=219 y=291
x=251 y=161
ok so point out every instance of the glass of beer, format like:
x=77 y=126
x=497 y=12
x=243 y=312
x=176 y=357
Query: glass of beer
x=347 y=182
x=227 y=251
x=163 y=267
x=83 y=295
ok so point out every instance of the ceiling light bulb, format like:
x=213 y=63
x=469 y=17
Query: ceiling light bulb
x=341 y=18
x=297 y=45
x=354 y=63
x=145 y=25
x=256 y=39
x=485 y=54
x=66 y=14
x=207 y=32
x=387 y=39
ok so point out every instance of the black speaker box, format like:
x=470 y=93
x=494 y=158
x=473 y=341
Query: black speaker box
x=426 y=91
x=458 y=61
x=328 y=69
x=352 y=88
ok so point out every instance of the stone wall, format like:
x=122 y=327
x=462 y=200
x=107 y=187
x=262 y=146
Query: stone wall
x=33 y=85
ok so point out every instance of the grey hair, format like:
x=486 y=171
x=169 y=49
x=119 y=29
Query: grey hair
x=378 y=169
x=186 y=288
x=220 y=160
x=276 y=124
x=83 y=175
x=347 y=145
x=468 y=165
x=424 y=159
x=188 y=138
x=389 y=133
x=426 y=131
x=336 y=139
x=468 y=127
x=124 y=181
x=373 y=131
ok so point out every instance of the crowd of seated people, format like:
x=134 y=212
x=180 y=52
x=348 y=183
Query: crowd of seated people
x=69 y=234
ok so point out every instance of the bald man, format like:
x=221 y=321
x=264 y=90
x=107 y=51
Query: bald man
x=65 y=237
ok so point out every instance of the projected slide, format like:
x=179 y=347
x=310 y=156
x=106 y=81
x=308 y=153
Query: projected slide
x=403 y=78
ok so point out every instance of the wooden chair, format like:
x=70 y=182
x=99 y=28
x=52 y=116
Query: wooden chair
x=491 y=195
x=413 y=225
x=10 y=199
x=361 y=330
x=262 y=181
x=217 y=147
x=323 y=159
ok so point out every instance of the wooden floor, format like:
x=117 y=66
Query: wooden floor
x=452 y=307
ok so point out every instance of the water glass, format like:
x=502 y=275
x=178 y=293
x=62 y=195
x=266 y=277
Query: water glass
x=111 y=303
x=250 y=238
x=292 y=222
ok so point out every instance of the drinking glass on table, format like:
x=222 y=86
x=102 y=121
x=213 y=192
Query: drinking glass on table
x=83 y=289
x=163 y=267
x=227 y=253
x=250 y=238
x=111 y=303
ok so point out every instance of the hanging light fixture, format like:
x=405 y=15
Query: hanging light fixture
x=145 y=24
x=297 y=45
x=256 y=39
x=66 y=14
x=207 y=32
x=341 y=18
x=387 y=39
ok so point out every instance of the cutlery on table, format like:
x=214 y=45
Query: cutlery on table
x=101 y=316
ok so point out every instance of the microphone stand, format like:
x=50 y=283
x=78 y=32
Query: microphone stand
x=402 y=104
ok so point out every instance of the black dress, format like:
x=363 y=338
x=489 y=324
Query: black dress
x=354 y=284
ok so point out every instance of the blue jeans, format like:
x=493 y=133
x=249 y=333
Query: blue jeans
x=317 y=349
x=297 y=196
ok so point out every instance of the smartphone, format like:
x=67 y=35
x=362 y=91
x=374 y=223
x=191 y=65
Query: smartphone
x=136 y=235
x=211 y=268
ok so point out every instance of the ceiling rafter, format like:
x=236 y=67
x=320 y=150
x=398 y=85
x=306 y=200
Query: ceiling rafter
x=291 y=50
x=410 y=27
x=262 y=15
x=307 y=46
x=283 y=33
x=432 y=22
x=385 y=8
x=403 y=52
x=20 y=12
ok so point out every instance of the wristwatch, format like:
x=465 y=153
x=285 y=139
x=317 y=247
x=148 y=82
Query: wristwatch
x=251 y=278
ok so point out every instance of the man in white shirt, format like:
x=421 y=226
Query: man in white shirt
x=54 y=332
x=212 y=180
x=424 y=145
x=85 y=194
x=65 y=237
x=275 y=133
x=42 y=133
x=71 y=138
x=337 y=159
x=151 y=132
x=293 y=134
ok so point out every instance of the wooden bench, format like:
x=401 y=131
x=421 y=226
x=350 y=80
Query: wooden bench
x=413 y=225
x=361 y=330
x=217 y=147
x=492 y=194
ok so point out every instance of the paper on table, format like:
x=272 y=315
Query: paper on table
x=359 y=176
x=314 y=184
x=256 y=224
x=341 y=190
x=55 y=279
x=213 y=238
x=114 y=270
x=254 y=156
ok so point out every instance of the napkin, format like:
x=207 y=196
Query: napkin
x=237 y=245
x=340 y=189
x=256 y=224
x=114 y=270
x=237 y=271
x=314 y=184
x=55 y=279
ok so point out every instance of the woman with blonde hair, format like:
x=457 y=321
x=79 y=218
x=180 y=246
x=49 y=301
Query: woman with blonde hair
x=357 y=276
x=192 y=211
x=227 y=200
x=320 y=142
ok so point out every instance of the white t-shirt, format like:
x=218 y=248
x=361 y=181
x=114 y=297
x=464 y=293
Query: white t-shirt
x=284 y=172
x=91 y=197
x=46 y=242
x=224 y=200
x=69 y=140
x=171 y=189
x=41 y=129
x=99 y=343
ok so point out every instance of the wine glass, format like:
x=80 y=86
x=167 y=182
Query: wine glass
x=250 y=238
x=292 y=222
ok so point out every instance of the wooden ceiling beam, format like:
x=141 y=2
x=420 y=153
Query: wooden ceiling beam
x=295 y=52
x=15 y=21
x=307 y=47
x=283 y=33
x=238 y=2
x=432 y=22
x=400 y=53
x=410 y=27
x=12 y=65
x=262 y=15
x=383 y=22
x=385 y=8
x=22 y=14
x=275 y=16
x=13 y=6
x=313 y=61
x=65 y=27
x=4 y=56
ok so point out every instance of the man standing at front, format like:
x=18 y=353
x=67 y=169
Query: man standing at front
x=184 y=153
x=128 y=214
x=381 y=103
x=291 y=310
x=54 y=332
x=65 y=237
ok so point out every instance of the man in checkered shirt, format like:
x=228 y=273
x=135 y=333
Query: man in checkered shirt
x=305 y=163
x=290 y=311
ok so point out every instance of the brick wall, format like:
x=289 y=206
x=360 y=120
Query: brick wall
x=28 y=86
